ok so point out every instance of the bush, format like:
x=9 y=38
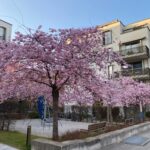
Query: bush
x=115 y=113
x=147 y=114
x=79 y=113
x=103 y=112
x=33 y=115
x=14 y=106
x=100 y=112
x=9 y=106
x=23 y=106
x=72 y=136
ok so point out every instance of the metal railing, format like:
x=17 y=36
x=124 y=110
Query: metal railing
x=135 y=72
x=135 y=50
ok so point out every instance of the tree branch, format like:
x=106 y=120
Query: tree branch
x=40 y=82
x=56 y=75
x=63 y=83
x=48 y=74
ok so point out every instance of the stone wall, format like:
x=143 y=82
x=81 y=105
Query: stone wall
x=91 y=143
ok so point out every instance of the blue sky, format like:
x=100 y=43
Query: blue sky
x=71 y=13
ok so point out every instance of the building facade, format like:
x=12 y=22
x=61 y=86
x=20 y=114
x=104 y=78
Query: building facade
x=133 y=43
x=5 y=30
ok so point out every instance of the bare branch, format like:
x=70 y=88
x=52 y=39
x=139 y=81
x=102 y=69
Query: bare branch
x=56 y=76
x=48 y=74
x=63 y=83
x=40 y=82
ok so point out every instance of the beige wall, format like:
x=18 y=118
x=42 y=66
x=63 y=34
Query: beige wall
x=134 y=35
x=119 y=37
x=115 y=29
x=8 y=28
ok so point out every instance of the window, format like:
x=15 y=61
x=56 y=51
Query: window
x=137 y=65
x=107 y=37
x=137 y=68
x=133 y=69
x=2 y=33
x=134 y=66
x=132 y=45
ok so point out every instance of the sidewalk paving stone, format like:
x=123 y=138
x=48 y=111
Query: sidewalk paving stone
x=6 y=147
x=123 y=146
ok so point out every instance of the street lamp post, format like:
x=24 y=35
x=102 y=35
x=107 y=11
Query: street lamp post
x=109 y=109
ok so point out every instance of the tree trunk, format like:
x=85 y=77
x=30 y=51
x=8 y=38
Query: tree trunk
x=55 y=95
x=141 y=112
x=125 y=112
x=108 y=119
x=109 y=115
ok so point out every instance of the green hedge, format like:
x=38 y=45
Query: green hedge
x=33 y=115
x=147 y=114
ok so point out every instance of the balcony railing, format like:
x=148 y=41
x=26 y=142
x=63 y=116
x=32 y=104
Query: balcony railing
x=135 y=50
x=136 y=72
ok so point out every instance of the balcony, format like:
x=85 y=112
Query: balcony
x=134 y=35
x=139 y=73
x=136 y=53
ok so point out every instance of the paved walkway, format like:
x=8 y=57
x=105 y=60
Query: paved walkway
x=122 y=146
x=6 y=147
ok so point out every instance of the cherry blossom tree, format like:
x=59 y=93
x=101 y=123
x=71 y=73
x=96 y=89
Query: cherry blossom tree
x=123 y=92
x=48 y=63
x=133 y=93
x=109 y=97
x=141 y=96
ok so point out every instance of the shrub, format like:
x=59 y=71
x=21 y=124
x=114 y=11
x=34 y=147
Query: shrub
x=147 y=114
x=100 y=112
x=23 y=106
x=9 y=106
x=72 y=136
x=33 y=115
x=103 y=113
x=14 y=106
x=115 y=113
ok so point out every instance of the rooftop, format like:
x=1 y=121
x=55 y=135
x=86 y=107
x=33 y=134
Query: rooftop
x=5 y=22
x=135 y=24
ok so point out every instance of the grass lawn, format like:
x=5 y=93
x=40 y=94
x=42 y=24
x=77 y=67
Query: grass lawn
x=15 y=139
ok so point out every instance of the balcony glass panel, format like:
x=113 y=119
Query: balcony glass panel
x=135 y=72
x=131 y=50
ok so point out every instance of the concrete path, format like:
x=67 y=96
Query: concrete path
x=39 y=130
x=6 y=147
x=122 y=146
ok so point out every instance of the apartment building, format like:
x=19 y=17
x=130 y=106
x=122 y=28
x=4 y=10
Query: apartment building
x=133 y=43
x=5 y=30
